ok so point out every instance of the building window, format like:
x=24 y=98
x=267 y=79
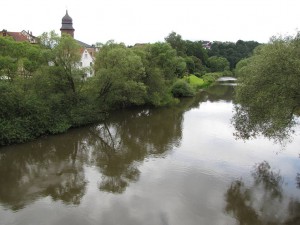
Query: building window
x=80 y=63
x=91 y=64
x=85 y=56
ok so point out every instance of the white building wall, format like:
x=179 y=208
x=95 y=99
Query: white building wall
x=86 y=62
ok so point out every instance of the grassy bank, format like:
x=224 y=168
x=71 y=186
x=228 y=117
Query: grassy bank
x=189 y=85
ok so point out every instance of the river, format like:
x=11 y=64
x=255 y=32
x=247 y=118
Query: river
x=177 y=165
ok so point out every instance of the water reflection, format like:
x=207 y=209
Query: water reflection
x=251 y=122
x=264 y=201
x=151 y=166
x=43 y=168
x=273 y=116
x=55 y=166
x=222 y=91
x=129 y=137
x=118 y=146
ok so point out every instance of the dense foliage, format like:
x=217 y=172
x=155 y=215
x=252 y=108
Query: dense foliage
x=219 y=57
x=233 y=52
x=43 y=100
x=43 y=90
x=218 y=64
x=181 y=88
x=269 y=90
x=193 y=53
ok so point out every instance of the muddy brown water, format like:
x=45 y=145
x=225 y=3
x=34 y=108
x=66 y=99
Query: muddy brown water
x=177 y=165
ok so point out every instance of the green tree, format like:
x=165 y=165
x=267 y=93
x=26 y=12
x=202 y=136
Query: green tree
x=233 y=52
x=8 y=67
x=269 y=90
x=241 y=65
x=181 y=88
x=49 y=39
x=119 y=74
x=67 y=56
x=218 y=64
x=194 y=65
x=19 y=58
x=177 y=43
x=196 y=49
x=162 y=68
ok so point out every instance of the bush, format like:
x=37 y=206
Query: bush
x=211 y=77
x=182 y=89
x=227 y=73
x=196 y=82
x=198 y=74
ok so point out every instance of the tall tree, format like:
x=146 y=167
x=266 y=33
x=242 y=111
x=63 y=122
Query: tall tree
x=269 y=90
x=67 y=56
x=218 y=64
x=196 y=49
x=175 y=40
x=119 y=74
x=162 y=68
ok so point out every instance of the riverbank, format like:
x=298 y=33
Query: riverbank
x=29 y=113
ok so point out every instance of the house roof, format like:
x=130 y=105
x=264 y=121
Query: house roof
x=85 y=45
x=20 y=36
x=17 y=36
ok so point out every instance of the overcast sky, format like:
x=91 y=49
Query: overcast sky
x=143 y=21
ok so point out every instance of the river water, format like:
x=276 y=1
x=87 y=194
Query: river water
x=178 y=165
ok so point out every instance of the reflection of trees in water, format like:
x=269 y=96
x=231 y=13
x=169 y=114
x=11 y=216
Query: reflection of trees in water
x=249 y=122
x=130 y=136
x=264 y=201
x=54 y=166
x=220 y=91
x=43 y=168
x=127 y=139
x=114 y=158
x=263 y=107
x=217 y=92
x=298 y=180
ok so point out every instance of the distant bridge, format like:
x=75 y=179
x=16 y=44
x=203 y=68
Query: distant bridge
x=226 y=79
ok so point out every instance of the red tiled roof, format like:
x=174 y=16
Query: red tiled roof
x=17 y=36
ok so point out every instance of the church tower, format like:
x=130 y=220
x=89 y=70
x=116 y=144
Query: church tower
x=67 y=25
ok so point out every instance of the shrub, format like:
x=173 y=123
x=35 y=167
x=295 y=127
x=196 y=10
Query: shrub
x=196 y=82
x=182 y=89
x=211 y=77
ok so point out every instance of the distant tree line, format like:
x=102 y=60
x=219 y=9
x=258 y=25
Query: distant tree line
x=233 y=52
x=222 y=56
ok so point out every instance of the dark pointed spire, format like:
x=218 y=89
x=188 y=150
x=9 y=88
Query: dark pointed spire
x=67 y=25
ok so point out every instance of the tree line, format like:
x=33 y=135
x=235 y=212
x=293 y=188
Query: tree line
x=44 y=91
x=219 y=57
